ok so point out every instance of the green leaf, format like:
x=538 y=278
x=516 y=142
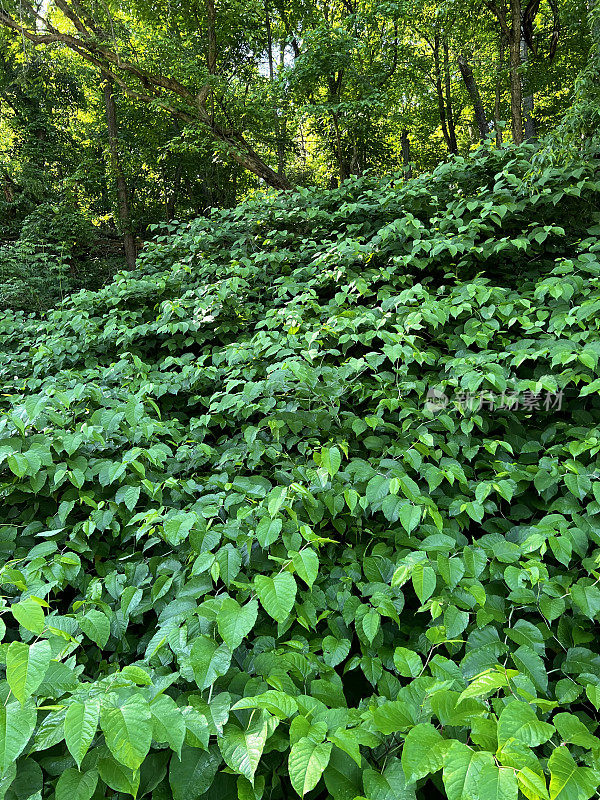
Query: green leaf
x=462 y=771
x=279 y=704
x=377 y=488
x=335 y=650
x=129 y=495
x=370 y=624
x=17 y=723
x=242 y=748
x=422 y=753
x=276 y=499
x=26 y=667
x=519 y=721
x=532 y=785
x=530 y=663
x=96 y=627
x=389 y=786
x=276 y=594
x=306 y=763
x=572 y=729
x=587 y=599
x=268 y=530
x=498 y=783
x=209 y=660
x=192 y=775
x=393 y=716
x=18 y=464
x=168 y=724
x=177 y=527
x=407 y=662
x=335 y=460
x=118 y=776
x=567 y=780
x=75 y=785
x=128 y=730
x=409 y=516
x=343 y=778
x=30 y=615
x=348 y=741
x=306 y=564
x=81 y=721
x=423 y=581
x=235 y=622
x=331 y=459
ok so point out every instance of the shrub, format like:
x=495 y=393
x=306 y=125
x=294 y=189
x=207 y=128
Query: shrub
x=43 y=265
x=249 y=551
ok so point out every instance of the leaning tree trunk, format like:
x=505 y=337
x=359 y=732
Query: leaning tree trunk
x=474 y=94
x=115 y=162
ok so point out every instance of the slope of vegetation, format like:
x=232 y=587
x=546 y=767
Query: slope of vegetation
x=248 y=552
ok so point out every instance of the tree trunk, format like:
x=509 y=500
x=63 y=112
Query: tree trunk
x=405 y=145
x=281 y=127
x=528 y=101
x=473 y=90
x=512 y=34
x=278 y=119
x=516 y=91
x=117 y=171
x=498 y=92
x=448 y=91
x=339 y=148
x=269 y=42
x=440 y=93
x=8 y=187
x=211 y=55
x=171 y=197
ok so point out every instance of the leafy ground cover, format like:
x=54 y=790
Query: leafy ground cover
x=309 y=505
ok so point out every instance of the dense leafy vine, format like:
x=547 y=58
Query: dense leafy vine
x=309 y=504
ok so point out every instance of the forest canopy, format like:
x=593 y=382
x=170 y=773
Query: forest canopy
x=115 y=116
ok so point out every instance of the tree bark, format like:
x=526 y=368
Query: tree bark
x=279 y=121
x=516 y=91
x=343 y=166
x=8 y=187
x=211 y=59
x=440 y=95
x=405 y=145
x=512 y=33
x=498 y=92
x=123 y=205
x=528 y=99
x=269 y=42
x=281 y=126
x=448 y=92
x=474 y=94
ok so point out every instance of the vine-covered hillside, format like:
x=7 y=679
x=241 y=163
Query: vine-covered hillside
x=309 y=504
